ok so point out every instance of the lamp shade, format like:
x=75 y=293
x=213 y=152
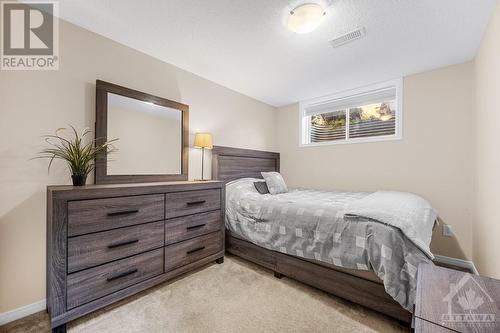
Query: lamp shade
x=203 y=140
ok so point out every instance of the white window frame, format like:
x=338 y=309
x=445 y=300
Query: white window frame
x=304 y=126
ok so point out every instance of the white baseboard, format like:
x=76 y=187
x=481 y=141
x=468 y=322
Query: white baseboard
x=457 y=262
x=22 y=312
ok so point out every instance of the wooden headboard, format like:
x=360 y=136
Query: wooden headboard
x=232 y=163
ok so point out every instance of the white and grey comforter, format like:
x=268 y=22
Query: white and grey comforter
x=311 y=224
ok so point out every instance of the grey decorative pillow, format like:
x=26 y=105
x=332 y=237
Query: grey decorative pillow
x=275 y=182
x=261 y=187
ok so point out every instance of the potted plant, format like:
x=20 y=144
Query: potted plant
x=78 y=152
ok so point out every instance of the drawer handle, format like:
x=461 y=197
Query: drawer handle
x=196 y=226
x=118 y=276
x=124 y=212
x=193 y=203
x=112 y=246
x=195 y=250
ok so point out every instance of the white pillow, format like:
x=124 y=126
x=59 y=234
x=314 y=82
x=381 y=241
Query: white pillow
x=275 y=182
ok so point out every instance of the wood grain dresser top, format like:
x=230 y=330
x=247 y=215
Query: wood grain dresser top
x=456 y=300
x=130 y=185
x=94 y=191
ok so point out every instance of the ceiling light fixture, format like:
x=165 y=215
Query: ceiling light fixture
x=305 y=18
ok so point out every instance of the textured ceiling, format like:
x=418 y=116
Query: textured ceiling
x=244 y=45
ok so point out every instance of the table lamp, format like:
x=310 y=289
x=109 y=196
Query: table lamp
x=203 y=141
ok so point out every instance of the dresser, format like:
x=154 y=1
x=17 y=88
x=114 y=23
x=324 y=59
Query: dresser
x=107 y=242
x=448 y=300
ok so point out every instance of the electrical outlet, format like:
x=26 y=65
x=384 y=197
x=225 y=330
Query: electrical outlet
x=447 y=231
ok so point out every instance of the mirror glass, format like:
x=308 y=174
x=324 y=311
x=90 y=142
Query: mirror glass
x=149 y=137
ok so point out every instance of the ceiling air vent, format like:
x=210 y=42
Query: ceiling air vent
x=348 y=37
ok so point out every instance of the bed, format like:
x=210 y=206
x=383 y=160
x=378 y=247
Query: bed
x=272 y=231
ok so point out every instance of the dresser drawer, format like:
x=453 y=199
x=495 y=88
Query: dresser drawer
x=192 y=202
x=90 y=284
x=185 y=227
x=102 y=247
x=188 y=251
x=88 y=216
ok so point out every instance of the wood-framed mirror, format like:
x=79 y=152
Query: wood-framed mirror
x=152 y=133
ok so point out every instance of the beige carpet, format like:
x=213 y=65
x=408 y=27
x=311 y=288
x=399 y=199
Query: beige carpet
x=233 y=297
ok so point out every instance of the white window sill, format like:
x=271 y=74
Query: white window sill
x=350 y=141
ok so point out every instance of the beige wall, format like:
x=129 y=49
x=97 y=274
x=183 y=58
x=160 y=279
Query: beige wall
x=434 y=158
x=36 y=103
x=487 y=219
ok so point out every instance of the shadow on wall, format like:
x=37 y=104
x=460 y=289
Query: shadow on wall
x=446 y=246
x=22 y=252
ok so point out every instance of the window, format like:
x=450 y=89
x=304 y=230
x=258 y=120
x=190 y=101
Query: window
x=362 y=115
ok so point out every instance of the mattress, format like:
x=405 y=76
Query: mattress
x=310 y=224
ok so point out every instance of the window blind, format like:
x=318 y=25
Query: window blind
x=374 y=96
x=371 y=128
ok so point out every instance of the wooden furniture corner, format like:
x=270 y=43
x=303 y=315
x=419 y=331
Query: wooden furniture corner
x=449 y=300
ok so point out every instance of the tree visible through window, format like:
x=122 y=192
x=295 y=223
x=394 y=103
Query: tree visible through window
x=372 y=120
x=328 y=126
